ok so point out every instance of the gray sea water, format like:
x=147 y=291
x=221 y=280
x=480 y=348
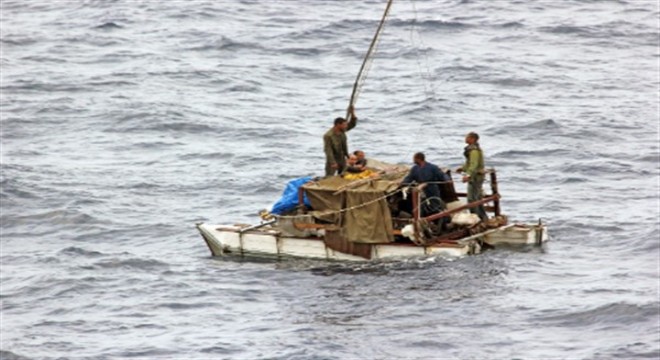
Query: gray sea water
x=123 y=123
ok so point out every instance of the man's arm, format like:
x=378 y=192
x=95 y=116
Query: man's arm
x=410 y=177
x=353 y=121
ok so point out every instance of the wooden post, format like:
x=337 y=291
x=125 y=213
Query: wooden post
x=493 y=188
x=301 y=201
x=415 y=214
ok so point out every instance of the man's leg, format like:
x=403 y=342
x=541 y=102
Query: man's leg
x=329 y=171
x=475 y=194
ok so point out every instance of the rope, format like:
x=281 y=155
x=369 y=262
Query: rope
x=365 y=204
x=403 y=189
x=430 y=182
x=427 y=200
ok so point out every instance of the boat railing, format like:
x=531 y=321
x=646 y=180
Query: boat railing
x=417 y=219
x=495 y=208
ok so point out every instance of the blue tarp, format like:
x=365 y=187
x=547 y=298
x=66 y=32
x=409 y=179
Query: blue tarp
x=289 y=199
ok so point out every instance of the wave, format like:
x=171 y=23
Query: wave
x=337 y=28
x=574 y=180
x=146 y=124
x=183 y=306
x=208 y=156
x=651 y=158
x=223 y=349
x=111 y=83
x=532 y=153
x=15 y=190
x=614 y=314
x=547 y=126
x=567 y=29
x=641 y=238
x=243 y=89
x=609 y=31
x=511 y=24
x=429 y=24
x=226 y=43
x=300 y=51
x=18 y=40
x=510 y=82
x=65 y=218
x=44 y=59
x=300 y=72
x=110 y=25
x=34 y=86
x=76 y=251
x=8 y=355
x=133 y=263
x=591 y=169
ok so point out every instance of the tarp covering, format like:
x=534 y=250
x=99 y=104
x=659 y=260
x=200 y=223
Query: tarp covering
x=289 y=199
x=368 y=219
x=322 y=199
x=360 y=222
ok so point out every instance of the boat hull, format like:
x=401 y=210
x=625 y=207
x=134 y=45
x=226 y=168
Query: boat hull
x=228 y=240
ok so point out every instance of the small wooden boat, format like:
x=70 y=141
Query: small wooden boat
x=373 y=218
x=341 y=225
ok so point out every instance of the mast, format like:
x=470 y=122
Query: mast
x=362 y=74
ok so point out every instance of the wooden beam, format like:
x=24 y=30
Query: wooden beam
x=461 y=208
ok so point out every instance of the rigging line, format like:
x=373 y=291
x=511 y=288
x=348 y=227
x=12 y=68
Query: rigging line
x=420 y=129
x=431 y=82
x=354 y=207
x=360 y=77
x=428 y=80
x=428 y=86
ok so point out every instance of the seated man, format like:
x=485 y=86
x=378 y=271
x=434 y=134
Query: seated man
x=361 y=159
x=353 y=165
x=426 y=173
x=354 y=170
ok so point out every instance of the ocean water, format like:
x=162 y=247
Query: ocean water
x=123 y=123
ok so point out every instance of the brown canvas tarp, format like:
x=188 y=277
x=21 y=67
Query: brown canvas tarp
x=321 y=196
x=366 y=217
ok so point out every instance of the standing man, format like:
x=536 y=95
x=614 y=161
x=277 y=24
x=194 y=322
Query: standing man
x=474 y=173
x=335 y=145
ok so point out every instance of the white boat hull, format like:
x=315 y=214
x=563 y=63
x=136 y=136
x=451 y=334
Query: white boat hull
x=223 y=240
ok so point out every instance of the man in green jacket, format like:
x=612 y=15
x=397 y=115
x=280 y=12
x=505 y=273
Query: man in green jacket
x=335 y=145
x=474 y=172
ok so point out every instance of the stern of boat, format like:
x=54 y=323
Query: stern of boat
x=519 y=234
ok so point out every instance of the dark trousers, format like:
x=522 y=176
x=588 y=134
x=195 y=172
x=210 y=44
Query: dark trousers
x=475 y=193
x=329 y=171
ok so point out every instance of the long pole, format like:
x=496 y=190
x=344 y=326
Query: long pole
x=366 y=58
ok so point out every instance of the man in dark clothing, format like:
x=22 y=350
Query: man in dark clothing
x=335 y=145
x=425 y=172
